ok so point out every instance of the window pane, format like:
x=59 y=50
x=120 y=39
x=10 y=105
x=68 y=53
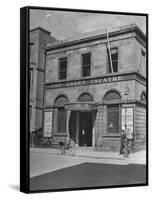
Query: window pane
x=114 y=58
x=86 y=64
x=115 y=61
x=60 y=101
x=86 y=71
x=62 y=68
x=112 y=95
x=86 y=59
x=62 y=75
x=62 y=115
x=113 y=119
x=63 y=64
x=85 y=98
x=115 y=66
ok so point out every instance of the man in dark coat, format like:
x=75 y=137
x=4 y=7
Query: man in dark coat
x=122 y=140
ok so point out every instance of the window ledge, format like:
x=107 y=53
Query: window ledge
x=108 y=136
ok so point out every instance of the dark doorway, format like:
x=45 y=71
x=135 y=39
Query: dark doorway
x=85 y=130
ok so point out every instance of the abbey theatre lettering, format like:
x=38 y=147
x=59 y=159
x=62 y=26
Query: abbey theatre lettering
x=87 y=82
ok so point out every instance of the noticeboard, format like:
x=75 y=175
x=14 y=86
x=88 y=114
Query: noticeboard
x=48 y=124
x=127 y=121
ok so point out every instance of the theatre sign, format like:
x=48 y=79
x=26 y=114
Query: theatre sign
x=91 y=81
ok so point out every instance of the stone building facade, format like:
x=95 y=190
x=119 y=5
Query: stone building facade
x=88 y=99
x=39 y=38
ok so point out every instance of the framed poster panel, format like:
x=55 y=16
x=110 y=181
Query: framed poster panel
x=127 y=122
x=47 y=123
x=75 y=68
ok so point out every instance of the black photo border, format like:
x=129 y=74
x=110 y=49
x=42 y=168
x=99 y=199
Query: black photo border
x=24 y=97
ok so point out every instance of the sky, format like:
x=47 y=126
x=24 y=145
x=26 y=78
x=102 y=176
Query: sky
x=65 y=24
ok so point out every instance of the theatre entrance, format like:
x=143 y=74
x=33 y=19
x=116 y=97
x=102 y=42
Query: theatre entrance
x=81 y=127
x=85 y=129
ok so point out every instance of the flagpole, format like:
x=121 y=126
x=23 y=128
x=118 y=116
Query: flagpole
x=111 y=65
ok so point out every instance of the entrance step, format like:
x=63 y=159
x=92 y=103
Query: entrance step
x=85 y=148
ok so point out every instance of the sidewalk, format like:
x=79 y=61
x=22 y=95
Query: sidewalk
x=90 y=153
x=49 y=160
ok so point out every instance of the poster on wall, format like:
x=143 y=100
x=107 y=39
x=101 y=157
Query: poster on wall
x=48 y=124
x=127 y=121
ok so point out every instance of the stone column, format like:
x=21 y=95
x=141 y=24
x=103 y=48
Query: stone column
x=105 y=120
x=67 y=122
x=77 y=128
x=99 y=127
x=93 y=130
x=54 y=121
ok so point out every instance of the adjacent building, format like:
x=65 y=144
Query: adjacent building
x=91 y=94
x=39 y=38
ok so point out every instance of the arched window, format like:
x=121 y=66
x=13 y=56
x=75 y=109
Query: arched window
x=143 y=97
x=85 y=97
x=112 y=95
x=61 y=101
x=61 y=113
x=113 y=113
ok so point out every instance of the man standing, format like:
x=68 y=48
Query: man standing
x=122 y=140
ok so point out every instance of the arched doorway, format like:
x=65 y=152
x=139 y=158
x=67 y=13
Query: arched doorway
x=85 y=122
x=81 y=120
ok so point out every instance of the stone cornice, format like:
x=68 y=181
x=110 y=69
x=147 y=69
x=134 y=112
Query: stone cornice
x=97 y=104
x=123 y=30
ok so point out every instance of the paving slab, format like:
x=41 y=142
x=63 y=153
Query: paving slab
x=48 y=160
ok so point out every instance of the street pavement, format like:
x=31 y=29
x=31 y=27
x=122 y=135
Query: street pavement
x=49 y=160
x=89 y=175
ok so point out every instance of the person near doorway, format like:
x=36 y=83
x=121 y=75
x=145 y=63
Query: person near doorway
x=130 y=138
x=84 y=143
x=62 y=146
x=122 y=142
x=72 y=150
x=126 y=151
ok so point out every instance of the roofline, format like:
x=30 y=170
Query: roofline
x=121 y=30
x=40 y=28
